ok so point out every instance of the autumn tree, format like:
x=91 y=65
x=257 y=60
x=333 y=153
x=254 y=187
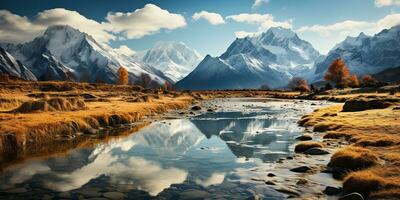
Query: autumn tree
x=299 y=84
x=338 y=73
x=123 y=76
x=353 y=81
x=368 y=81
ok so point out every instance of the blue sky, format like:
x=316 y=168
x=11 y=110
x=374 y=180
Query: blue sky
x=322 y=22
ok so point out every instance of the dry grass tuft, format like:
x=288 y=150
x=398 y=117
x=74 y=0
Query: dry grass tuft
x=382 y=180
x=304 y=146
x=360 y=104
x=337 y=135
x=51 y=105
x=323 y=127
x=354 y=158
x=385 y=194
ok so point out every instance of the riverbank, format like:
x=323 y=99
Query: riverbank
x=368 y=163
x=38 y=114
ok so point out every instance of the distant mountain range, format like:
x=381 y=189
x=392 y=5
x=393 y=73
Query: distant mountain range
x=268 y=59
x=365 y=54
x=64 y=53
x=174 y=59
x=271 y=58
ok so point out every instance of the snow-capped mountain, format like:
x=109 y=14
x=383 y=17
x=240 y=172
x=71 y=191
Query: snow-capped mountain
x=9 y=65
x=65 y=53
x=271 y=58
x=365 y=54
x=174 y=59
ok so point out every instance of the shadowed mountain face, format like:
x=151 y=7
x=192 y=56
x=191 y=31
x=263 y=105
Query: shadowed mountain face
x=9 y=65
x=65 y=53
x=365 y=54
x=271 y=58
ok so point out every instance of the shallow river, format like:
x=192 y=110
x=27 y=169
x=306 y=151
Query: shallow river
x=200 y=157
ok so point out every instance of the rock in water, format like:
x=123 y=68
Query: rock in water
x=329 y=190
x=316 y=151
x=304 y=137
x=301 y=169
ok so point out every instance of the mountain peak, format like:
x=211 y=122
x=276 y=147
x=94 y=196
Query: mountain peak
x=281 y=32
x=56 y=29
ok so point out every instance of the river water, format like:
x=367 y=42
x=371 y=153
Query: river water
x=205 y=156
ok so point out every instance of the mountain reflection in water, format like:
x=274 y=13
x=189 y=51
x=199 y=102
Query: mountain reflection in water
x=198 y=153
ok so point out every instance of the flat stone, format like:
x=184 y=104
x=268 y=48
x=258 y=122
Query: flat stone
x=114 y=195
x=352 y=196
x=194 y=194
x=316 y=151
x=288 y=191
x=329 y=190
x=301 y=169
x=304 y=137
x=271 y=175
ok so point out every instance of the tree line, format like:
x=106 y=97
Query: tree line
x=337 y=74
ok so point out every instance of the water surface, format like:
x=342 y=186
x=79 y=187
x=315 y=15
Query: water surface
x=201 y=157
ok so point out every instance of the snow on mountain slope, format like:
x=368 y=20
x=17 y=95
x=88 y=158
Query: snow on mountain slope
x=174 y=59
x=65 y=53
x=271 y=58
x=10 y=66
x=365 y=54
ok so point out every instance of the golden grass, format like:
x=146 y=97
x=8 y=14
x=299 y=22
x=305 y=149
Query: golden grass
x=353 y=158
x=304 y=146
x=383 y=181
x=51 y=105
x=373 y=158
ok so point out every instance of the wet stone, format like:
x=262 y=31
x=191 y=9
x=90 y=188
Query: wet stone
x=304 y=137
x=316 y=151
x=301 y=169
x=329 y=190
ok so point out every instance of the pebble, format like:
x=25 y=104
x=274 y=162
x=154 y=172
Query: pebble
x=316 y=151
x=301 y=169
x=329 y=190
x=304 y=137
x=271 y=175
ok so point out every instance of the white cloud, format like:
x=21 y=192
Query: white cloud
x=136 y=24
x=123 y=49
x=144 y=21
x=324 y=37
x=258 y=3
x=212 y=18
x=265 y=21
x=16 y=29
x=382 y=3
x=243 y=34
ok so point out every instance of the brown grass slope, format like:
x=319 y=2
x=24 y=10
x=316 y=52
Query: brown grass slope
x=373 y=158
